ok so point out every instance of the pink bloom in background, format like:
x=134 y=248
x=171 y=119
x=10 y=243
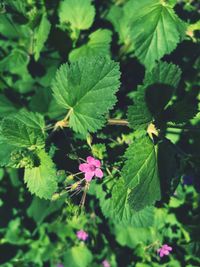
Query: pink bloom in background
x=59 y=265
x=105 y=263
x=82 y=235
x=164 y=250
x=91 y=168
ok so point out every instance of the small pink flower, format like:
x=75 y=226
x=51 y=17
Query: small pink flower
x=164 y=250
x=59 y=265
x=82 y=235
x=91 y=168
x=105 y=263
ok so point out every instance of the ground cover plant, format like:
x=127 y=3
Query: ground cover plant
x=99 y=133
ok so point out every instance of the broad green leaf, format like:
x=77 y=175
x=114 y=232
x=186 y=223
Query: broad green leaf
x=121 y=23
x=42 y=180
x=40 y=209
x=41 y=35
x=78 y=13
x=7 y=28
x=151 y=97
x=44 y=103
x=140 y=173
x=98 y=44
x=117 y=208
x=24 y=129
x=156 y=29
x=78 y=256
x=132 y=237
x=6 y=106
x=87 y=89
x=139 y=115
x=163 y=73
x=16 y=62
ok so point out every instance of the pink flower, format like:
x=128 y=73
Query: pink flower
x=105 y=263
x=59 y=265
x=82 y=235
x=91 y=168
x=164 y=250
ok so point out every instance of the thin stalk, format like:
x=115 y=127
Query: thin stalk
x=117 y=122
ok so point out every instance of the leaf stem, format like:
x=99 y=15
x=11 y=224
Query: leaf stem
x=64 y=123
x=117 y=122
x=68 y=115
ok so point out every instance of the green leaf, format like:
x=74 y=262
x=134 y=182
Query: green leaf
x=42 y=180
x=139 y=115
x=156 y=29
x=121 y=23
x=98 y=44
x=151 y=97
x=16 y=62
x=5 y=152
x=6 y=106
x=78 y=256
x=163 y=73
x=6 y=26
x=19 y=6
x=87 y=89
x=117 y=208
x=44 y=103
x=40 y=209
x=78 y=13
x=24 y=129
x=140 y=173
x=132 y=237
x=15 y=234
x=41 y=35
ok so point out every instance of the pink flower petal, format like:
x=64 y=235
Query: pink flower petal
x=161 y=254
x=97 y=163
x=98 y=173
x=90 y=160
x=83 y=167
x=89 y=175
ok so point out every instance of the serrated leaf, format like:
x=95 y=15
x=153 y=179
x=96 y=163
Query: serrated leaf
x=151 y=97
x=140 y=173
x=163 y=73
x=24 y=129
x=139 y=115
x=98 y=44
x=79 y=13
x=78 y=256
x=156 y=29
x=117 y=208
x=41 y=35
x=42 y=180
x=87 y=88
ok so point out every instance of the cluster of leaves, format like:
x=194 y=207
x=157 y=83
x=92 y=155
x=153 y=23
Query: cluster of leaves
x=66 y=73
